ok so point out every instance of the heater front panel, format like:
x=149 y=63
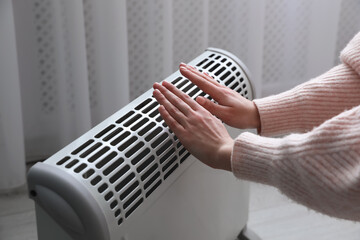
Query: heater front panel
x=127 y=161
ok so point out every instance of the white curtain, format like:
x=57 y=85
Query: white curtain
x=66 y=65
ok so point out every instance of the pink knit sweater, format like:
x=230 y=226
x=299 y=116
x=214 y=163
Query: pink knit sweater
x=320 y=166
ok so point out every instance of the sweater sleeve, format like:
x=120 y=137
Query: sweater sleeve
x=311 y=103
x=319 y=169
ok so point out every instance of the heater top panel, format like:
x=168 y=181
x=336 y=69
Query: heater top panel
x=126 y=162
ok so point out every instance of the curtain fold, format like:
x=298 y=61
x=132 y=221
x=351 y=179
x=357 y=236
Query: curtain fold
x=74 y=63
x=12 y=167
x=107 y=57
x=53 y=74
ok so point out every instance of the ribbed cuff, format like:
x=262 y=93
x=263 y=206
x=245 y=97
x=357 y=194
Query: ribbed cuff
x=279 y=113
x=252 y=157
x=351 y=53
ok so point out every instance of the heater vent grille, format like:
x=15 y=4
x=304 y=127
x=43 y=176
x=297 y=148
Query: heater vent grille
x=126 y=160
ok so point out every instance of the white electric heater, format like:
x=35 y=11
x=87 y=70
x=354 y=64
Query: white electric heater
x=129 y=178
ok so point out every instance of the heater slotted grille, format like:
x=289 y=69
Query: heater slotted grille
x=126 y=160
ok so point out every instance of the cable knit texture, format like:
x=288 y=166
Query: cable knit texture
x=320 y=166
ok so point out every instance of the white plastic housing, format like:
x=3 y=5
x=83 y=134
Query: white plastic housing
x=130 y=178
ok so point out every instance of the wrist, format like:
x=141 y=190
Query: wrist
x=224 y=155
x=256 y=123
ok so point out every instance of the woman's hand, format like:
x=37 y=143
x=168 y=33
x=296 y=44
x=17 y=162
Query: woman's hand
x=232 y=108
x=202 y=134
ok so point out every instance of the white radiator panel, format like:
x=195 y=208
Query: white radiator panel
x=130 y=175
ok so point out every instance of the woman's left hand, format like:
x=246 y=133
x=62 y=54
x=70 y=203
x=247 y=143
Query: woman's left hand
x=202 y=134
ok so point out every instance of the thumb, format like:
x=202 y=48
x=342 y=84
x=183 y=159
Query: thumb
x=212 y=107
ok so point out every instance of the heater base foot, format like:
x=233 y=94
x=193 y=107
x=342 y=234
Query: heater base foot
x=247 y=234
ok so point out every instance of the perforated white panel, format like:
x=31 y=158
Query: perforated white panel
x=145 y=43
x=157 y=50
x=53 y=55
x=349 y=24
x=298 y=39
x=66 y=77
x=188 y=30
x=44 y=25
x=90 y=53
x=274 y=40
x=285 y=40
x=229 y=26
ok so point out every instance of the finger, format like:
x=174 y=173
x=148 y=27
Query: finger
x=201 y=74
x=213 y=90
x=174 y=125
x=212 y=107
x=180 y=94
x=170 y=108
x=182 y=65
x=204 y=75
x=173 y=99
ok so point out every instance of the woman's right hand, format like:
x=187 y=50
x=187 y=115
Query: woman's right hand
x=231 y=107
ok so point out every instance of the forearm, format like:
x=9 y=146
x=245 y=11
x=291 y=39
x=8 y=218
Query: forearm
x=319 y=169
x=311 y=103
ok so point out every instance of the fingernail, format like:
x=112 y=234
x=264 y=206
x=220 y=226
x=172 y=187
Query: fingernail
x=200 y=100
x=156 y=85
x=183 y=68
